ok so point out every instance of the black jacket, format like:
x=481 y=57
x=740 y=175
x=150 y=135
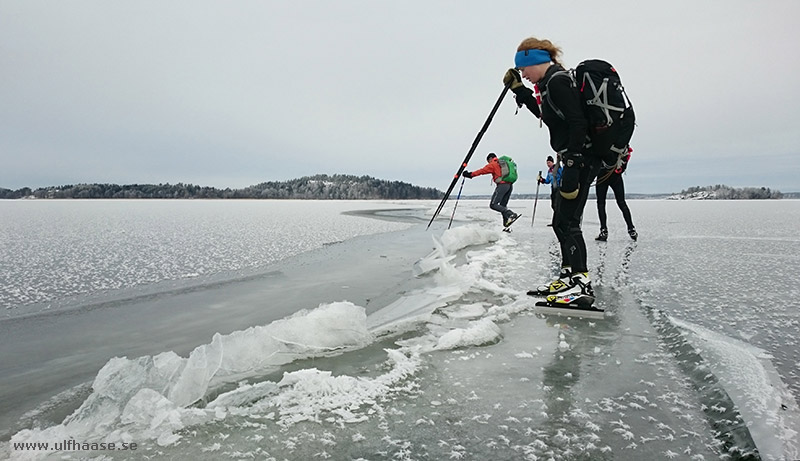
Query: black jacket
x=567 y=134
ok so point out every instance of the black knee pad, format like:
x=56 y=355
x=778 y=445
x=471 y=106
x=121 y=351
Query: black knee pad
x=574 y=230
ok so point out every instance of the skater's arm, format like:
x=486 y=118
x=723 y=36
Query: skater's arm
x=567 y=99
x=490 y=168
x=524 y=96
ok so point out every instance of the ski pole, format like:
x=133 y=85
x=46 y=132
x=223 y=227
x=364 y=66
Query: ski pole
x=536 y=200
x=456 y=205
x=469 y=154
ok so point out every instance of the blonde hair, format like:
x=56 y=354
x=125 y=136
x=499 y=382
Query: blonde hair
x=533 y=43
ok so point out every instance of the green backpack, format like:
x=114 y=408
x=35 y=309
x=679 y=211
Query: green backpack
x=508 y=170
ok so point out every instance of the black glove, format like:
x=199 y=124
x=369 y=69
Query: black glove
x=570 y=175
x=573 y=159
x=512 y=79
x=466 y=174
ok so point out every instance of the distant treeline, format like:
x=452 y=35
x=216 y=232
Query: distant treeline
x=722 y=192
x=319 y=187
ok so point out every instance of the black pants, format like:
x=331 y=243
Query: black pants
x=500 y=197
x=567 y=222
x=616 y=184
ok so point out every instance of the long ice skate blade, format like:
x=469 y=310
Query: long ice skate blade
x=566 y=311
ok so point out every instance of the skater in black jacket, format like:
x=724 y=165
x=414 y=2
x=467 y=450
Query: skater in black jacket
x=561 y=110
x=612 y=177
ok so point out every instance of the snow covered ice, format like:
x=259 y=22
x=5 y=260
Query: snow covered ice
x=460 y=367
x=153 y=242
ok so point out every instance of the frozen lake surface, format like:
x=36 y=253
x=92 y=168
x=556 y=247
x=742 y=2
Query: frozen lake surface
x=378 y=347
x=54 y=252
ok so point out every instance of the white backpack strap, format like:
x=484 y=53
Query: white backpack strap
x=621 y=152
x=600 y=96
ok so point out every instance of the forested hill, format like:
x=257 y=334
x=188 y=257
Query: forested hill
x=340 y=187
x=722 y=192
x=324 y=187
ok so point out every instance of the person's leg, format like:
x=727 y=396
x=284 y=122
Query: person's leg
x=553 y=195
x=573 y=215
x=567 y=226
x=506 y=194
x=601 y=190
x=570 y=226
x=618 y=186
x=502 y=191
x=574 y=245
x=563 y=281
x=560 y=231
x=570 y=214
x=510 y=215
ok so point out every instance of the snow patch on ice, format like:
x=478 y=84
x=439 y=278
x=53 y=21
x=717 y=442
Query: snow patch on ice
x=452 y=241
x=462 y=237
x=479 y=333
x=311 y=394
x=468 y=311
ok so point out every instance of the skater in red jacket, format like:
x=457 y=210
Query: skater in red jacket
x=502 y=191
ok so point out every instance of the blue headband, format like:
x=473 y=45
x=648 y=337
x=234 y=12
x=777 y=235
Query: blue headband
x=527 y=58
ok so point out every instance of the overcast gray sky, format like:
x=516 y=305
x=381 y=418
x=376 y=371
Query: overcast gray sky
x=234 y=93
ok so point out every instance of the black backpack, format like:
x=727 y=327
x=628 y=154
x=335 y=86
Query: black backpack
x=601 y=89
x=607 y=107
